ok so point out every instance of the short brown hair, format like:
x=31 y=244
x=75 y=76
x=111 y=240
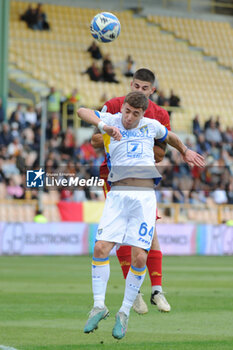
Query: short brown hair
x=137 y=99
x=145 y=74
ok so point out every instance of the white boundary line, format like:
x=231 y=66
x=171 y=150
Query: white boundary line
x=3 y=347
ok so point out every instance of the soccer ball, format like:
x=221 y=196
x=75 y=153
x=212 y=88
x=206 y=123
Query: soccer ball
x=105 y=27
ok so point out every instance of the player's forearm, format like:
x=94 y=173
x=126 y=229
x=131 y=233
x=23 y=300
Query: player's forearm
x=174 y=141
x=88 y=116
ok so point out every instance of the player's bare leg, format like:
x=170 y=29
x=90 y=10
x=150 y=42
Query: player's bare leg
x=100 y=276
x=154 y=265
x=124 y=257
x=133 y=283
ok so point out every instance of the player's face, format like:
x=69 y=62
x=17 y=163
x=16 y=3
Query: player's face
x=143 y=86
x=131 y=116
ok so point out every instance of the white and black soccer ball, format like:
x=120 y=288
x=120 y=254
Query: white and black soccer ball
x=105 y=27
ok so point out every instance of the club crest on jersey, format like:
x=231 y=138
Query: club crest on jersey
x=144 y=130
x=100 y=231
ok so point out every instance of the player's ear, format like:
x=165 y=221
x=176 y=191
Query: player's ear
x=153 y=89
x=122 y=107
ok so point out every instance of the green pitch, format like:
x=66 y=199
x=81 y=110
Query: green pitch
x=44 y=304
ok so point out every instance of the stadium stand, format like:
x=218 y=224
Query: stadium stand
x=54 y=55
x=214 y=37
x=59 y=56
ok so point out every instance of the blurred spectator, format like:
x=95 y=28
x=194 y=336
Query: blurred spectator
x=54 y=100
x=174 y=101
x=20 y=115
x=87 y=151
x=95 y=51
x=213 y=135
x=14 y=190
x=73 y=98
x=5 y=135
x=9 y=167
x=28 y=137
x=129 y=67
x=196 y=126
x=230 y=192
x=16 y=120
x=68 y=142
x=30 y=116
x=94 y=72
x=228 y=135
x=108 y=70
x=202 y=145
x=161 y=98
x=55 y=124
x=207 y=123
x=15 y=130
x=30 y=17
x=109 y=74
x=27 y=14
x=35 y=18
x=2 y=113
x=42 y=23
x=14 y=147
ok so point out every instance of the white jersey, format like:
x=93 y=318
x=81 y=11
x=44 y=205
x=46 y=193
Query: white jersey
x=133 y=155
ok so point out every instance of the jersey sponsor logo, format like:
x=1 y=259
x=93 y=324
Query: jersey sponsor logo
x=144 y=240
x=155 y=273
x=134 y=149
x=142 y=132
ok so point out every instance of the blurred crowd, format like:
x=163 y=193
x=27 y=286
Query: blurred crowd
x=103 y=69
x=212 y=185
x=20 y=144
x=35 y=18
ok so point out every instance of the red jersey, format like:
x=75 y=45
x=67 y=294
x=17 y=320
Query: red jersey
x=153 y=111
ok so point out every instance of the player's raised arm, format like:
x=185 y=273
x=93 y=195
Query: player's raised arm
x=89 y=116
x=189 y=156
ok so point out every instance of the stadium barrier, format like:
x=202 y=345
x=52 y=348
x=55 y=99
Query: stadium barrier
x=78 y=239
x=90 y=211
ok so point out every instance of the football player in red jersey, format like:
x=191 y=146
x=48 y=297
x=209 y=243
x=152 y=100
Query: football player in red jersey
x=143 y=80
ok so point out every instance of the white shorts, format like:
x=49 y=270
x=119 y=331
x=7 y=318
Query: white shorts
x=128 y=217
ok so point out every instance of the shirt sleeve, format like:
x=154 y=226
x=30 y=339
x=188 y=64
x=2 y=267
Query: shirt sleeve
x=160 y=131
x=166 y=120
x=105 y=117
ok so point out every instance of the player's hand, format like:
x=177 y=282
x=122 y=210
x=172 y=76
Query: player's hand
x=113 y=132
x=193 y=158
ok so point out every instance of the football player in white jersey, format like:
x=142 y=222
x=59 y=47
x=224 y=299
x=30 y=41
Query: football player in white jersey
x=130 y=208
